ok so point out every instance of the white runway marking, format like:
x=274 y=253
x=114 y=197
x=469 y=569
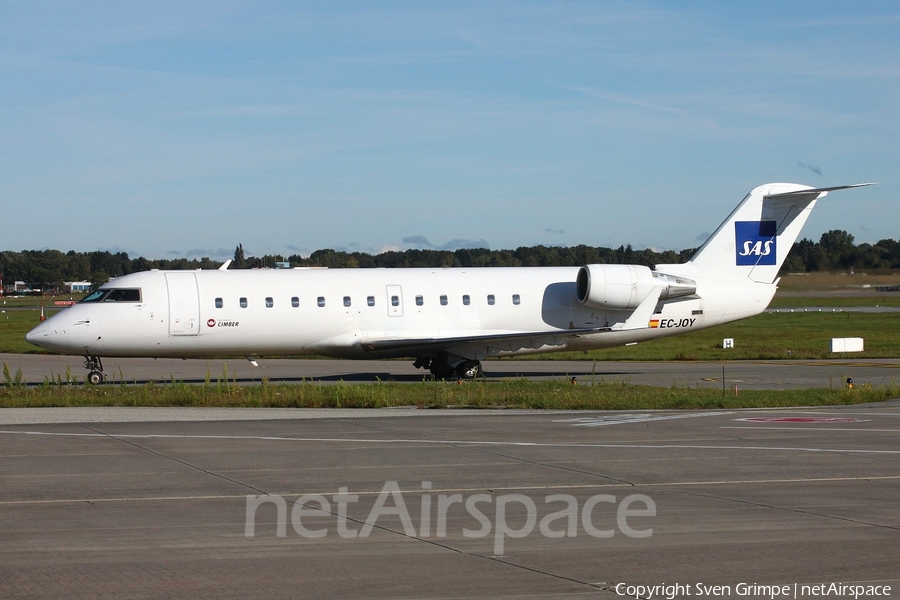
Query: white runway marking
x=452 y=490
x=621 y=419
x=455 y=442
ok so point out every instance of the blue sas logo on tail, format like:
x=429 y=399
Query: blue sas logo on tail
x=754 y=242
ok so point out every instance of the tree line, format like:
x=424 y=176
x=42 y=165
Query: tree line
x=48 y=269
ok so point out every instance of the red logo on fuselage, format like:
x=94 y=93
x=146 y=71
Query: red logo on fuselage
x=211 y=323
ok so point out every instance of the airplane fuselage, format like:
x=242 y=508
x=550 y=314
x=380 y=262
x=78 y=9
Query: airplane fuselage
x=336 y=312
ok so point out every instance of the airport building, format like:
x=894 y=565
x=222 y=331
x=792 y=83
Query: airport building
x=77 y=286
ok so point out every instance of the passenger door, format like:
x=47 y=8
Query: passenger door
x=184 y=304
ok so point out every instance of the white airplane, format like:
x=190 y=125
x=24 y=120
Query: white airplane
x=448 y=320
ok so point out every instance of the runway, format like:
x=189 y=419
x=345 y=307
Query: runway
x=37 y=368
x=159 y=509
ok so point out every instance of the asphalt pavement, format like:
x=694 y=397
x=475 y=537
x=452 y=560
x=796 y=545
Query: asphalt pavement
x=406 y=503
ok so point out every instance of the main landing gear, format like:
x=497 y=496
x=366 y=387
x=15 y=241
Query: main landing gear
x=95 y=368
x=444 y=367
x=468 y=369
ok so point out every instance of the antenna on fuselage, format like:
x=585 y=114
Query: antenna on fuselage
x=225 y=264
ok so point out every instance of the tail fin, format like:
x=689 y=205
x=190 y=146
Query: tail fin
x=755 y=239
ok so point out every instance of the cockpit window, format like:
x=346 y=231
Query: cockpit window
x=95 y=296
x=123 y=295
x=114 y=295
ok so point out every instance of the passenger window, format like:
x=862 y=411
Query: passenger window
x=516 y=299
x=443 y=300
x=466 y=299
x=370 y=300
x=243 y=303
x=320 y=301
x=395 y=300
x=491 y=299
x=419 y=301
x=219 y=303
x=346 y=300
x=269 y=302
x=295 y=302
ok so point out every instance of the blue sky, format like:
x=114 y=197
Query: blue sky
x=184 y=128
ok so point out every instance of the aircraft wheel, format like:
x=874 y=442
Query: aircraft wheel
x=95 y=378
x=469 y=369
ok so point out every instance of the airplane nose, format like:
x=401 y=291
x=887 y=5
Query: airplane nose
x=61 y=334
x=36 y=335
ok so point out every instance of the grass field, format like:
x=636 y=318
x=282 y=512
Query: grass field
x=770 y=336
x=14 y=324
x=836 y=301
x=506 y=394
x=816 y=282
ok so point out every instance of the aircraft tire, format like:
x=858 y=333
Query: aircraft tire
x=95 y=378
x=469 y=369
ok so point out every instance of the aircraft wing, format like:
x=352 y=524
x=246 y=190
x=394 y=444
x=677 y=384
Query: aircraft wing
x=534 y=339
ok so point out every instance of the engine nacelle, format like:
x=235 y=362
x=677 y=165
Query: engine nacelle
x=626 y=286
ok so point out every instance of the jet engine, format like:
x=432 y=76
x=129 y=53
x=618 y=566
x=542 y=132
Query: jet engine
x=626 y=286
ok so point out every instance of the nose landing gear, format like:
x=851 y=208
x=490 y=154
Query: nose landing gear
x=95 y=368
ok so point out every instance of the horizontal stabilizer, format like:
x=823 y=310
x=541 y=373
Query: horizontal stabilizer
x=818 y=190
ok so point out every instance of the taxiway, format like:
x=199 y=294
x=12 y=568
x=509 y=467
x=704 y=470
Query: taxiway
x=111 y=509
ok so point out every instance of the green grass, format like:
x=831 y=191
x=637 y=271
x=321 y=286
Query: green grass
x=822 y=281
x=767 y=336
x=14 y=324
x=836 y=301
x=506 y=394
